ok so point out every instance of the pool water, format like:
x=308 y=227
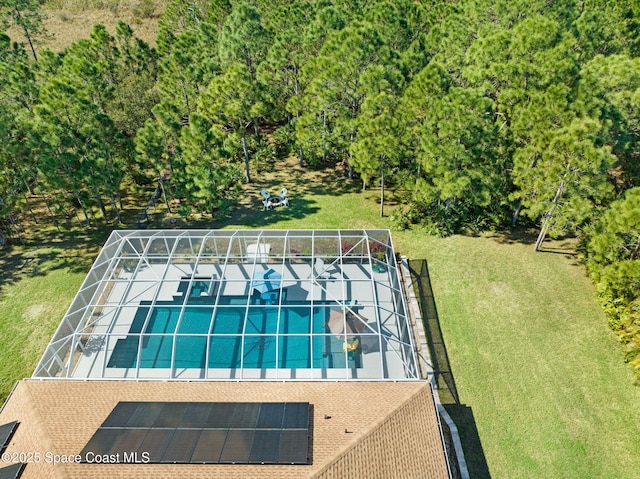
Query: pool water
x=199 y=287
x=291 y=337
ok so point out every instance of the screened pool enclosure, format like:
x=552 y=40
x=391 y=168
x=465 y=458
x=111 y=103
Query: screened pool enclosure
x=238 y=305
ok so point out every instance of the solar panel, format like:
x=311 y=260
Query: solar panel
x=294 y=444
x=101 y=441
x=155 y=443
x=121 y=414
x=195 y=415
x=182 y=445
x=129 y=441
x=237 y=447
x=145 y=415
x=296 y=416
x=6 y=433
x=245 y=415
x=12 y=472
x=209 y=446
x=170 y=415
x=219 y=416
x=266 y=446
x=212 y=433
x=233 y=415
x=270 y=415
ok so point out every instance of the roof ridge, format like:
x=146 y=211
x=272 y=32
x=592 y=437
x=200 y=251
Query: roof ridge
x=376 y=426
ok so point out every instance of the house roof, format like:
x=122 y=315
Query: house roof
x=359 y=429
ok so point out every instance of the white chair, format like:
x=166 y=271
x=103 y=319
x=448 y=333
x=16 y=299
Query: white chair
x=285 y=201
x=267 y=204
x=321 y=270
x=265 y=194
x=283 y=193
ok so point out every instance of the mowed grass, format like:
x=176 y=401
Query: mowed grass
x=31 y=307
x=529 y=346
x=37 y=283
x=534 y=360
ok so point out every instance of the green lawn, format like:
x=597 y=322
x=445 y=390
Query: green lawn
x=533 y=358
x=531 y=354
x=36 y=291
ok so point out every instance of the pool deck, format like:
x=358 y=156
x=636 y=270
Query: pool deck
x=152 y=283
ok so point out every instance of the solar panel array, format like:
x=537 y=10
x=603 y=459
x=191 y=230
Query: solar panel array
x=203 y=433
x=12 y=472
x=6 y=432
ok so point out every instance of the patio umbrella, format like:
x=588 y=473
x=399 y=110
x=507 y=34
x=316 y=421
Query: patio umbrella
x=354 y=323
x=336 y=323
x=268 y=280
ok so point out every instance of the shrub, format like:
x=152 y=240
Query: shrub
x=284 y=141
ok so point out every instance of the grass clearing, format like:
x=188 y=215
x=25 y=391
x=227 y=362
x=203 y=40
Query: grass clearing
x=67 y=21
x=529 y=346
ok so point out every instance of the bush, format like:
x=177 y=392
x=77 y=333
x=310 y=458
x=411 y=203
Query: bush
x=284 y=141
x=264 y=157
x=439 y=220
x=611 y=251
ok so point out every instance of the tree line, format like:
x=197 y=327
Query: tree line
x=487 y=116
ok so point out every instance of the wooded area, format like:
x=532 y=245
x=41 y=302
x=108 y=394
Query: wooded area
x=518 y=113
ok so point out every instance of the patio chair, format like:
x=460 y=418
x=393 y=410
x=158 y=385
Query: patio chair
x=267 y=204
x=322 y=271
x=283 y=193
x=265 y=194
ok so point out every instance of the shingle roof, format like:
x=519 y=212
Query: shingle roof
x=375 y=430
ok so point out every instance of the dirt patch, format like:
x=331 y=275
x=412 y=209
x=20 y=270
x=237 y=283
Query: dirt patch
x=35 y=311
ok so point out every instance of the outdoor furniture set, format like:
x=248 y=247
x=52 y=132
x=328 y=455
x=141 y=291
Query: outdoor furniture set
x=269 y=201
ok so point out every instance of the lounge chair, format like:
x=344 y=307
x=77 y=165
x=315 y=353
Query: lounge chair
x=322 y=271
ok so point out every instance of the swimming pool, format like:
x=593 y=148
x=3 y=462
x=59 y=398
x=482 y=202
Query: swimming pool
x=261 y=336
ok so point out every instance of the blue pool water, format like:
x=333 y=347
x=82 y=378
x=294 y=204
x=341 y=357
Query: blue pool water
x=272 y=338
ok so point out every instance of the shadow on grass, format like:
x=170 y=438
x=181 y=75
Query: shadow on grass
x=565 y=249
x=253 y=215
x=474 y=455
x=525 y=236
x=47 y=249
x=461 y=414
